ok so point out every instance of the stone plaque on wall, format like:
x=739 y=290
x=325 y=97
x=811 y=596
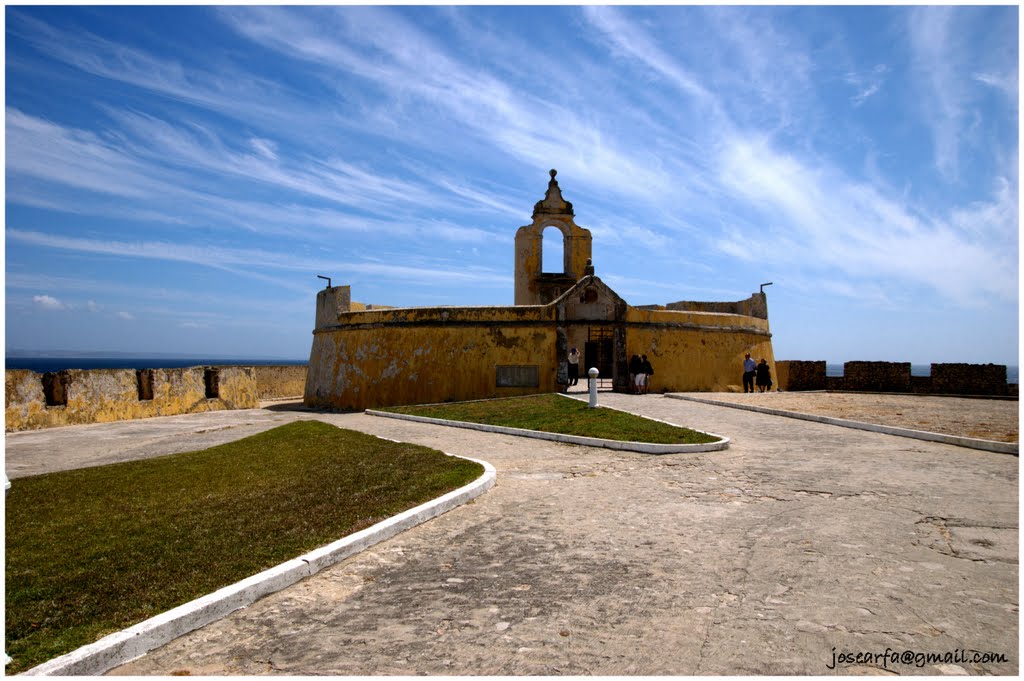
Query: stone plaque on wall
x=517 y=376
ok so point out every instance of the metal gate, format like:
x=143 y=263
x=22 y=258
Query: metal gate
x=599 y=352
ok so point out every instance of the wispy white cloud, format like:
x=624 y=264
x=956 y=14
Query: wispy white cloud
x=48 y=303
x=398 y=57
x=629 y=40
x=77 y=158
x=244 y=260
x=264 y=148
x=867 y=84
x=159 y=163
x=126 y=315
x=1007 y=83
x=228 y=89
x=819 y=215
x=932 y=37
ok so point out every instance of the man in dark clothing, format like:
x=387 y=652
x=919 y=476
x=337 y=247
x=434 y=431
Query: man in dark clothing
x=749 y=367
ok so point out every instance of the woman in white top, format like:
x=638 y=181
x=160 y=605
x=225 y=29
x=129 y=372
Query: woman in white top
x=574 y=366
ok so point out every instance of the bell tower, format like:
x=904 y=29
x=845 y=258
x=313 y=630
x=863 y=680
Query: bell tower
x=533 y=286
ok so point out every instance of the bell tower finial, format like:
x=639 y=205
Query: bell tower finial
x=552 y=203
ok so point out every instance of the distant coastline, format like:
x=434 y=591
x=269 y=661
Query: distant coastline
x=42 y=365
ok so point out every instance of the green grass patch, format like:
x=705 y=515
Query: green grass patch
x=95 y=550
x=556 y=414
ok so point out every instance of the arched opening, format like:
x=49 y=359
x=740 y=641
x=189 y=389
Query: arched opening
x=552 y=254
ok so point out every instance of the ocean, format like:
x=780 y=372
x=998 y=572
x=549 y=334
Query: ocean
x=1012 y=372
x=43 y=365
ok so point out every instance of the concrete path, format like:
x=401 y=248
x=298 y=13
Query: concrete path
x=800 y=544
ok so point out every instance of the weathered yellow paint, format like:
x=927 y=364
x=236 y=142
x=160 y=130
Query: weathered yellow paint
x=703 y=353
x=276 y=381
x=419 y=355
x=104 y=395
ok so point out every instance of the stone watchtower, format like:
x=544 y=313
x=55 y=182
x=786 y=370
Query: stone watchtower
x=534 y=287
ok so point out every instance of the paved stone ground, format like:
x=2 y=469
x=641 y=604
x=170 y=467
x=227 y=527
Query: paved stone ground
x=968 y=417
x=800 y=542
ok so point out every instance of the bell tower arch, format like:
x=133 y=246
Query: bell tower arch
x=533 y=286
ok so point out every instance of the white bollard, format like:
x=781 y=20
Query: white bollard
x=593 y=386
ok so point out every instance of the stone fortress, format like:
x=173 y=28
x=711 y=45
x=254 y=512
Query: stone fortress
x=364 y=356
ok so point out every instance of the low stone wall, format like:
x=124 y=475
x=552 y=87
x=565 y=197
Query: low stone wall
x=795 y=375
x=280 y=381
x=877 y=376
x=969 y=379
x=101 y=395
x=945 y=379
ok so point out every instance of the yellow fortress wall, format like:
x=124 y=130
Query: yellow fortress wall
x=417 y=355
x=698 y=351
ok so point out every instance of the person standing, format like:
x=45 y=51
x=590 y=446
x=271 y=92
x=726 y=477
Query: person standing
x=749 y=368
x=646 y=370
x=764 y=376
x=574 y=366
x=634 y=372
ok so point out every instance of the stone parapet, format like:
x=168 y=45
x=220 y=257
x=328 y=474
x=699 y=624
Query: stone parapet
x=877 y=376
x=279 y=381
x=793 y=375
x=754 y=306
x=77 y=396
x=969 y=379
x=945 y=379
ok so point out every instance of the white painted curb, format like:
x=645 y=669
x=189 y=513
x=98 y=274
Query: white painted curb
x=644 y=447
x=135 y=641
x=973 y=443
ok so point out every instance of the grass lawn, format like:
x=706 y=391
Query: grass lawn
x=95 y=550
x=556 y=414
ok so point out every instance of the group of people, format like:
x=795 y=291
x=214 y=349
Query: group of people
x=640 y=372
x=756 y=373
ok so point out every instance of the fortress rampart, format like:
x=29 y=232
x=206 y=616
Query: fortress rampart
x=375 y=358
x=78 y=396
x=754 y=306
x=944 y=379
x=369 y=358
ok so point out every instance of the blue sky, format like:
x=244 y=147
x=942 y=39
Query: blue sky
x=176 y=177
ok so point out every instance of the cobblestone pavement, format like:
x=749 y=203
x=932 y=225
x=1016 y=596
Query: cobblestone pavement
x=798 y=544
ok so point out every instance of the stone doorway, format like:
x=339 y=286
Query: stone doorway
x=599 y=351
